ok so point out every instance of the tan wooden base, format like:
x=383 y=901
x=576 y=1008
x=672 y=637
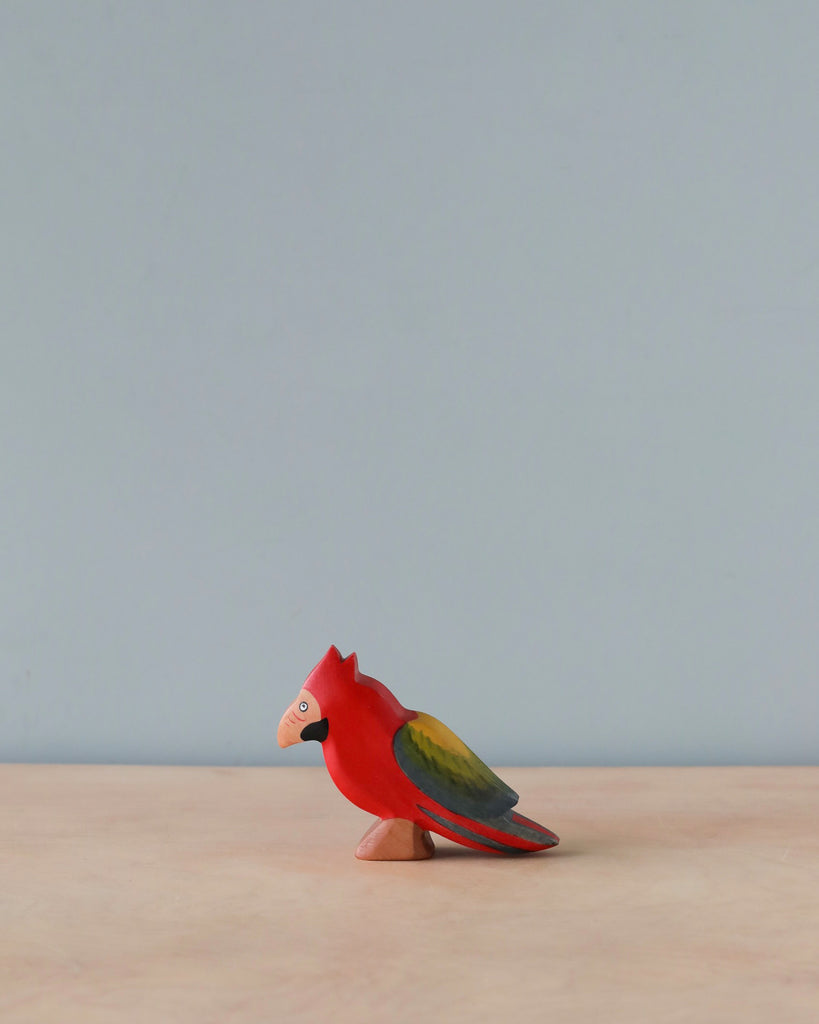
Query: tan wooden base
x=395 y=839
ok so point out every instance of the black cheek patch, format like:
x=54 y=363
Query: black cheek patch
x=316 y=731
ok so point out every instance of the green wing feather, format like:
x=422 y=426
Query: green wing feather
x=445 y=769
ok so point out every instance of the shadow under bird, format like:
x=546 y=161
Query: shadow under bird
x=405 y=767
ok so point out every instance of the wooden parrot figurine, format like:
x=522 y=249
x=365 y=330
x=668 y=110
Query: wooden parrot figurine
x=404 y=766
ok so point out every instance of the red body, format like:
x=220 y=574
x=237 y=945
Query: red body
x=363 y=717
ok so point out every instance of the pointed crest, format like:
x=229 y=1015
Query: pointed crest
x=332 y=672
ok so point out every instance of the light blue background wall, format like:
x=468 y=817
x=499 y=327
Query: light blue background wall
x=481 y=338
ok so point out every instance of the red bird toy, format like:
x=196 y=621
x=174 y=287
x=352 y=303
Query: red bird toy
x=405 y=767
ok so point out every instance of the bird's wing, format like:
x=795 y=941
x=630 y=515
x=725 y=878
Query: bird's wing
x=447 y=771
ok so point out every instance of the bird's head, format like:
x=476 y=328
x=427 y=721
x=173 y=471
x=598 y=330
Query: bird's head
x=306 y=718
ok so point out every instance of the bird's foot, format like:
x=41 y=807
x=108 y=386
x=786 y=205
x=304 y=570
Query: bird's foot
x=395 y=839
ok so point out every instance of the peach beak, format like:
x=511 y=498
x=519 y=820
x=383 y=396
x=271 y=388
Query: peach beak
x=297 y=718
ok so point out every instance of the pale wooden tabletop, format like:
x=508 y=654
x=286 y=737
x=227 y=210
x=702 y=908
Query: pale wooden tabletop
x=231 y=895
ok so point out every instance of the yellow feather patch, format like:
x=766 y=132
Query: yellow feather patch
x=445 y=769
x=446 y=752
x=439 y=734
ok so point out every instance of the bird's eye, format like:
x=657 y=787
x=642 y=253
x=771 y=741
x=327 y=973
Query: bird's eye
x=303 y=706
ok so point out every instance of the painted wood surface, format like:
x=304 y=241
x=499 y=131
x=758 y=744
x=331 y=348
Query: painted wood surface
x=208 y=895
x=405 y=767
